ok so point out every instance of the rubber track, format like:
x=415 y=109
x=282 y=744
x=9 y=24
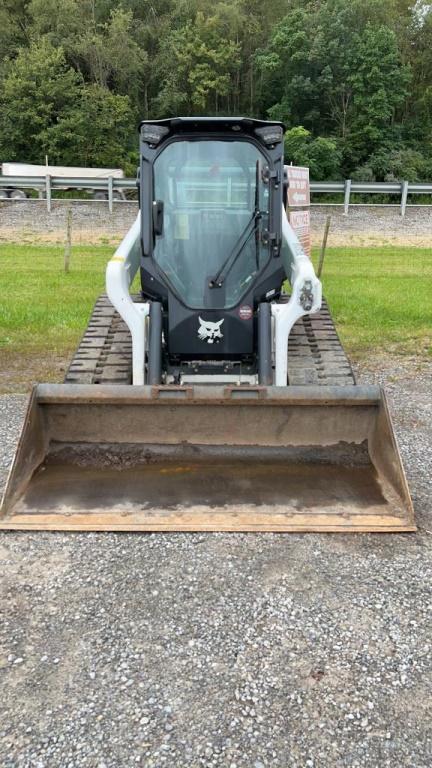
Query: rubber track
x=104 y=356
x=315 y=353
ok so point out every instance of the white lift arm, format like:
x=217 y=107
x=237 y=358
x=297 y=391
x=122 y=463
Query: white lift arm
x=120 y=272
x=306 y=296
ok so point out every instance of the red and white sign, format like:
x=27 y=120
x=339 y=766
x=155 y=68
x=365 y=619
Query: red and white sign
x=300 y=223
x=298 y=186
x=299 y=198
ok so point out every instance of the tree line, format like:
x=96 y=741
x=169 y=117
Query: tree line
x=351 y=79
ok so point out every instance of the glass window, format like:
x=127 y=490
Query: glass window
x=215 y=210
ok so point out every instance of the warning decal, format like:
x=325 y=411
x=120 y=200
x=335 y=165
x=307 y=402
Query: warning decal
x=300 y=222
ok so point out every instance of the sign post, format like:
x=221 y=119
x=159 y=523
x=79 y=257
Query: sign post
x=298 y=204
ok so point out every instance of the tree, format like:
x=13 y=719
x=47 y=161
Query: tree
x=13 y=27
x=336 y=69
x=379 y=83
x=60 y=22
x=46 y=109
x=321 y=155
x=38 y=104
x=398 y=164
x=197 y=74
x=109 y=54
x=103 y=50
x=104 y=134
x=355 y=74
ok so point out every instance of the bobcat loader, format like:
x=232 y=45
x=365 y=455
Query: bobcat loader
x=212 y=400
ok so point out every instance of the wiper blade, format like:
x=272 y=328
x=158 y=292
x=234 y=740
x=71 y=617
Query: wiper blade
x=219 y=279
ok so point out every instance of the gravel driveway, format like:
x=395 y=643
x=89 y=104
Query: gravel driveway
x=228 y=650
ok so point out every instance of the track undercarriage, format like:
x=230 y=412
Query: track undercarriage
x=104 y=356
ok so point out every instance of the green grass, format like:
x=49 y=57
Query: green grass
x=41 y=307
x=381 y=298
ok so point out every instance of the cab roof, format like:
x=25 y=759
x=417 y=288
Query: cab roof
x=212 y=124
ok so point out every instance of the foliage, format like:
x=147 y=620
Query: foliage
x=321 y=155
x=47 y=108
x=197 y=75
x=38 y=104
x=351 y=79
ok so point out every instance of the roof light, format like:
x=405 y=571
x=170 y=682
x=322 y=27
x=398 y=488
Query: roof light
x=271 y=134
x=153 y=134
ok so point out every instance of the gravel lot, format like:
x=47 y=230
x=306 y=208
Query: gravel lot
x=230 y=650
x=29 y=222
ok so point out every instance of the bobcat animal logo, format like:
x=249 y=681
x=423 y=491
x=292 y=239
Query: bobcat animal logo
x=210 y=332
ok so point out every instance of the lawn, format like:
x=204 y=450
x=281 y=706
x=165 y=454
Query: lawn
x=381 y=299
x=41 y=307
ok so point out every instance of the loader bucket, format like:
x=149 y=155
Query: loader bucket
x=209 y=458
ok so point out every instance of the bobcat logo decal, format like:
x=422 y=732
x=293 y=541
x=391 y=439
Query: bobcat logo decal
x=210 y=332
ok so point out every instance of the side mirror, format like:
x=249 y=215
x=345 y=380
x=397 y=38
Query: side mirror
x=158 y=216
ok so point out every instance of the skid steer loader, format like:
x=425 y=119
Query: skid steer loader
x=212 y=400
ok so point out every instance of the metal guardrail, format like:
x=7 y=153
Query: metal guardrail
x=348 y=187
x=46 y=184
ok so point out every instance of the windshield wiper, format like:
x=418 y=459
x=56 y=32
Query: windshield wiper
x=219 y=279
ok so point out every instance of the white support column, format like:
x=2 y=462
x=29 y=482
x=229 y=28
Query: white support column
x=120 y=272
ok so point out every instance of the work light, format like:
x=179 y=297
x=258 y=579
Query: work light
x=270 y=135
x=153 y=134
